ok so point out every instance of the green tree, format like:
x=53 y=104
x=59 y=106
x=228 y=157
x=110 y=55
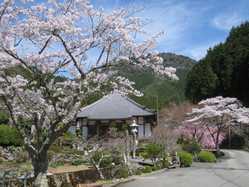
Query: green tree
x=229 y=62
x=201 y=82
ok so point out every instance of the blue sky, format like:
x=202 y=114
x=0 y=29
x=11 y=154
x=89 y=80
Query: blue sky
x=190 y=26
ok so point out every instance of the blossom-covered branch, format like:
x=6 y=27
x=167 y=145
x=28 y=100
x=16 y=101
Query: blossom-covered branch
x=208 y=123
x=61 y=52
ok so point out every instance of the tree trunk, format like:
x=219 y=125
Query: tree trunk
x=98 y=169
x=217 y=146
x=40 y=166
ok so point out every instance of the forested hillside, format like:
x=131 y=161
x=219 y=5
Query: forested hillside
x=160 y=88
x=225 y=69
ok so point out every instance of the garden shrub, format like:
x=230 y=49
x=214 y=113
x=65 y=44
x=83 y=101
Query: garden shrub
x=106 y=162
x=191 y=147
x=186 y=159
x=106 y=158
x=206 y=156
x=9 y=136
x=152 y=151
x=156 y=167
x=147 y=169
x=138 y=171
x=122 y=172
x=78 y=162
x=56 y=164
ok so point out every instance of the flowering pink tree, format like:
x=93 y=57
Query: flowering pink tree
x=200 y=134
x=55 y=38
x=208 y=123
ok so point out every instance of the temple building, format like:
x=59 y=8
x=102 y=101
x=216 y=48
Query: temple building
x=115 y=109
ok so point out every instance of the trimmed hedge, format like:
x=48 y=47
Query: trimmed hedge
x=206 y=156
x=186 y=159
x=9 y=136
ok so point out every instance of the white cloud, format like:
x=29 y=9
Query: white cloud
x=174 y=19
x=227 y=21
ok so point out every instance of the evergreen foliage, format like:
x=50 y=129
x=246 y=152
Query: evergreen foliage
x=225 y=69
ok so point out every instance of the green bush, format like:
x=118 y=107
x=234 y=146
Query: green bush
x=56 y=164
x=147 y=169
x=206 y=156
x=186 y=159
x=122 y=172
x=104 y=156
x=191 y=147
x=138 y=171
x=9 y=136
x=78 y=162
x=152 y=151
x=156 y=167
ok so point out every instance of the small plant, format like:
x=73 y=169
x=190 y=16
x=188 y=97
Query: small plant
x=206 y=156
x=186 y=159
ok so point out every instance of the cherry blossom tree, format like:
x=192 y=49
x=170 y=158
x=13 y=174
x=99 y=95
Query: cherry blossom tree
x=214 y=117
x=61 y=38
x=200 y=134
